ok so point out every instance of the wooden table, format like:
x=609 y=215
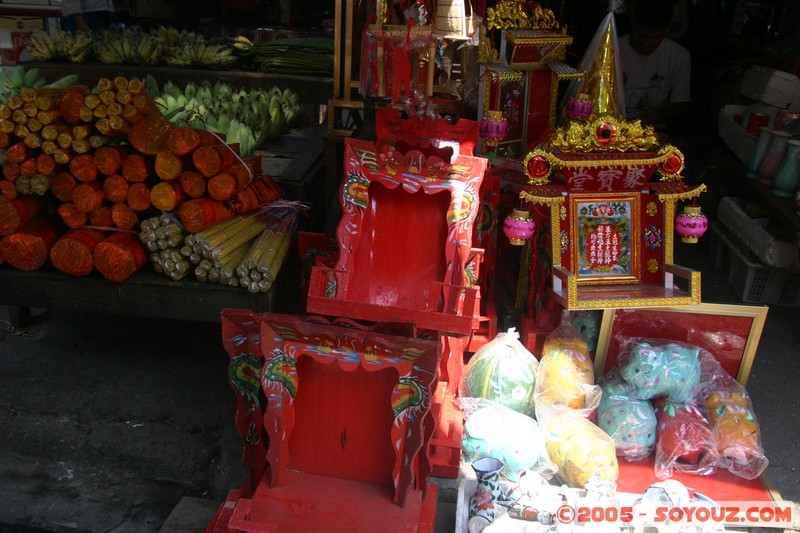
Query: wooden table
x=146 y=293
x=295 y=161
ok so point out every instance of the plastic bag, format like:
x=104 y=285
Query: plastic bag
x=685 y=441
x=565 y=377
x=503 y=371
x=737 y=433
x=581 y=450
x=658 y=368
x=630 y=422
x=493 y=430
x=735 y=428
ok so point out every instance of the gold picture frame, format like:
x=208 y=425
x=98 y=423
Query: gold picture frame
x=605 y=244
x=730 y=332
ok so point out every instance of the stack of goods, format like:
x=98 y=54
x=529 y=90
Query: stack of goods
x=674 y=399
x=81 y=170
x=535 y=415
x=135 y=45
x=566 y=399
x=245 y=251
x=496 y=393
x=245 y=118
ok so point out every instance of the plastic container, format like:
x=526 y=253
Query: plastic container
x=750 y=279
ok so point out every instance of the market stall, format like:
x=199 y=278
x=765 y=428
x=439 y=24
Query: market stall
x=567 y=361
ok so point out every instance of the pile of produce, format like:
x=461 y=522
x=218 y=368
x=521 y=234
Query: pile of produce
x=302 y=55
x=165 y=45
x=83 y=171
x=13 y=81
x=246 y=118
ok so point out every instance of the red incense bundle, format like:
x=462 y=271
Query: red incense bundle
x=88 y=196
x=210 y=160
x=62 y=184
x=124 y=217
x=167 y=195
x=73 y=253
x=72 y=216
x=192 y=183
x=29 y=248
x=119 y=256
x=108 y=159
x=201 y=213
x=14 y=212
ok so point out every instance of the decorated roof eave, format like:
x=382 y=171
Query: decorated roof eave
x=592 y=160
x=543 y=195
x=536 y=38
x=503 y=73
x=685 y=194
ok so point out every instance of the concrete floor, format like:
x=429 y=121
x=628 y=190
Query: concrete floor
x=108 y=423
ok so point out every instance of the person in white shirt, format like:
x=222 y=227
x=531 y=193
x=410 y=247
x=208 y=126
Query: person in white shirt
x=656 y=71
x=86 y=14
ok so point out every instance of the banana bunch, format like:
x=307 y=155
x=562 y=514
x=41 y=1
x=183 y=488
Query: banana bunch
x=247 y=118
x=201 y=54
x=12 y=82
x=170 y=37
x=241 y=43
x=131 y=45
x=63 y=45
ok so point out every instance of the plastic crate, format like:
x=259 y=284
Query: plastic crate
x=751 y=280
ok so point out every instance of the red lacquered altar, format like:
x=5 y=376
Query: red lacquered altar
x=334 y=422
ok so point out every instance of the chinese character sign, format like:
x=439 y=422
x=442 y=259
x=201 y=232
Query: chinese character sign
x=604 y=238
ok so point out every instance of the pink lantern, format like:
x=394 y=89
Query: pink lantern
x=580 y=107
x=518 y=227
x=492 y=129
x=691 y=224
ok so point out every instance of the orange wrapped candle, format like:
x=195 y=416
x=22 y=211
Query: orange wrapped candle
x=101 y=217
x=167 y=165
x=210 y=160
x=108 y=159
x=136 y=168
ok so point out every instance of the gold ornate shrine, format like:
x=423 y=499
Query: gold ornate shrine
x=522 y=81
x=611 y=224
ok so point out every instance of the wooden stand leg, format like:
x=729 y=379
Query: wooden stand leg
x=20 y=317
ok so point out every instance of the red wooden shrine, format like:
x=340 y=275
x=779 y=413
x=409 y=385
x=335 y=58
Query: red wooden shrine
x=334 y=423
x=405 y=235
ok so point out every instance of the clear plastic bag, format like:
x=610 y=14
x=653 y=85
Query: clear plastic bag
x=685 y=442
x=657 y=368
x=630 y=422
x=565 y=377
x=733 y=422
x=582 y=451
x=493 y=430
x=502 y=371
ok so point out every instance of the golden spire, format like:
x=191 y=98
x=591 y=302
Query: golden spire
x=600 y=82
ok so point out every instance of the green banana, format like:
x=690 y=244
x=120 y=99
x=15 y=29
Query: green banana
x=31 y=76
